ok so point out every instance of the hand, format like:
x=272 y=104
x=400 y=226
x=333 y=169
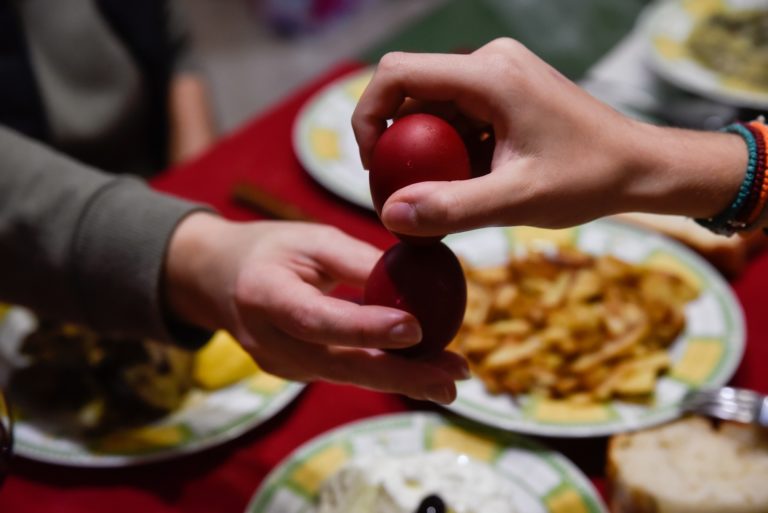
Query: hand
x=265 y=283
x=561 y=157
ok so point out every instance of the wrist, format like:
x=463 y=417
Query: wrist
x=684 y=172
x=190 y=276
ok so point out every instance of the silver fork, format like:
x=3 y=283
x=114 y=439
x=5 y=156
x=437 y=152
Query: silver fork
x=727 y=403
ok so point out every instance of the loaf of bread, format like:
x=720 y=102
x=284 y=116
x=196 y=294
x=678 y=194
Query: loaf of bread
x=689 y=466
x=728 y=254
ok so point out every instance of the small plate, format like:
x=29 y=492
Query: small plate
x=707 y=353
x=666 y=26
x=325 y=143
x=207 y=418
x=542 y=480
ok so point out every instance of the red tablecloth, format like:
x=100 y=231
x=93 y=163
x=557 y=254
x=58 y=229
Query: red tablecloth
x=223 y=479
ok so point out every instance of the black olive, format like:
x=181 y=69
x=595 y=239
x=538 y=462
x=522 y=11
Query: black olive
x=431 y=504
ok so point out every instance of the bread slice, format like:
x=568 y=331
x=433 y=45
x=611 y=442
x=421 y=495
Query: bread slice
x=729 y=254
x=689 y=466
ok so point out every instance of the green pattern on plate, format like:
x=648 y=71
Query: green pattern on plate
x=207 y=419
x=535 y=473
x=715 y=315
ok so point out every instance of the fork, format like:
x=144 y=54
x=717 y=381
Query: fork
x=727 y=403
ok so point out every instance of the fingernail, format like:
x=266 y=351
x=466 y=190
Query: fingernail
x=405 y=332
x=400 y=215
x=439 y=394
x=463 y=371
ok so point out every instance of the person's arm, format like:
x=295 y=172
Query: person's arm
x=191 y=123
x=79 y=244
x=561 y=157
x=82 y=246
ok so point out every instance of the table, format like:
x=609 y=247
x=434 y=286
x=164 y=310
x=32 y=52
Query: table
x=223 y=479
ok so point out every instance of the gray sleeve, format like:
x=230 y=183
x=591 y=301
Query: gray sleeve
x=185 y=55
x=80 y=245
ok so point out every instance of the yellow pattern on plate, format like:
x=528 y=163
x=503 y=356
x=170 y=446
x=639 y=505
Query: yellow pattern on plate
x=701 y=8
x=316 y=469
x=356 y=87
x=671 y=264
x=529 y=236
x=449 y=437
x=566 y=500
x=325 y=143
x=568 y=412
x=141 y=439
x=671 y=49
x=699 y=361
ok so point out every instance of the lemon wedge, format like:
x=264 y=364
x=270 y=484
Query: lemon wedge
x=222 y=362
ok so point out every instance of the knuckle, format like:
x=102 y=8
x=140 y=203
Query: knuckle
x=506 y=44
x=304 y=319
x=392 y=62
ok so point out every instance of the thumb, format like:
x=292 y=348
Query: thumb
x=438 y=208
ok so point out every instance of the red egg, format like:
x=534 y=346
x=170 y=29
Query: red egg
x=416 y=148
x=427 y=282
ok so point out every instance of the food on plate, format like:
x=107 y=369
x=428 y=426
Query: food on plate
x=78 y=382
x=426 y=281
x=567 y=325
x=83 y=383
x=690 y=465
x=416 y=148
x=222 y=362
x=734 y=43
x=378 y=483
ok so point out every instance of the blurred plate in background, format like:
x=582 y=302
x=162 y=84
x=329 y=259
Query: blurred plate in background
x=325 y=144
x=205 y=419
x=667 y=25
x=542 y=480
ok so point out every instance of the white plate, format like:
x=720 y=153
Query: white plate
x=706 y=354
x=325 y=144
x=207 y=418
x=666 y=26
x=542 y=480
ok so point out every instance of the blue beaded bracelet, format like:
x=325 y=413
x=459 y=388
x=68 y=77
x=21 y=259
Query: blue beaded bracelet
x=725 y=222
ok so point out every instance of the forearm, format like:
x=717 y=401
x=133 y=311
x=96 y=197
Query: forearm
x=191 y=121
x=674 y=171
x=80 y=245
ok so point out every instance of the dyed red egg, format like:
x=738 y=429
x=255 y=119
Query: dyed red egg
x=416 y=148
x=427 y=282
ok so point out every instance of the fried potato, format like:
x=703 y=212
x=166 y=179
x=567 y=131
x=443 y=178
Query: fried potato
x=569 y=325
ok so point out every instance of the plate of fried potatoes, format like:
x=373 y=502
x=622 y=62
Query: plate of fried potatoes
x=589 y=331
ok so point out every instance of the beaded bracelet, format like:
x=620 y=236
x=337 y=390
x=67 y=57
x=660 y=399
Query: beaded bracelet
x=759 y=209
x=737 y=215
x=750 y=205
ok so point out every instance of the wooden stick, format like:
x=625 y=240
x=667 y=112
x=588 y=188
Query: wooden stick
x=263 y=202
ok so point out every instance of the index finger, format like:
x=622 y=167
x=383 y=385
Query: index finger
x=429 y=77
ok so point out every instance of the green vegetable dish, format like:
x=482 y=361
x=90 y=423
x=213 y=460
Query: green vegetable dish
x=734 y=44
